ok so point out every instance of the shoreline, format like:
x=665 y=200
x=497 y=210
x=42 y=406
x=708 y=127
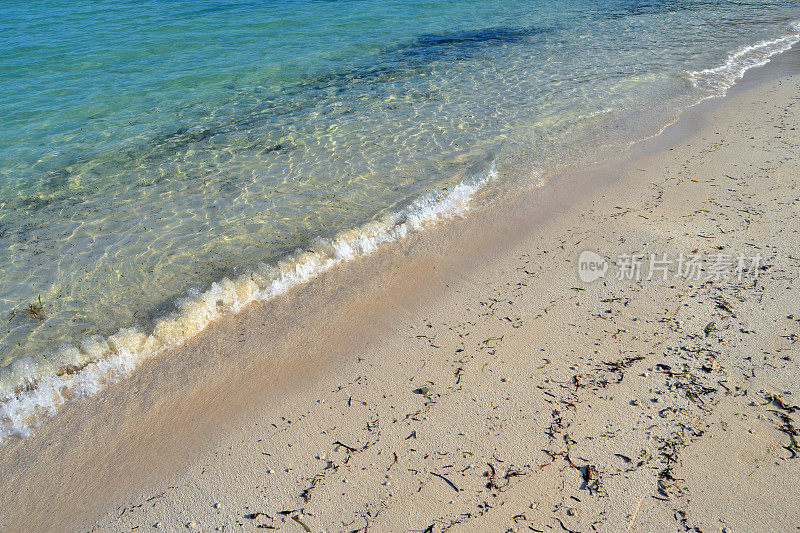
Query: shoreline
x=364 y=339
x=36 y=386
x=41 y=383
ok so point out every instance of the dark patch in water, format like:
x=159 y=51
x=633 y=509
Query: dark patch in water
x=269 y=149
x=637 y=8
x=377 y=72
x=411 y=58
x=480 y=37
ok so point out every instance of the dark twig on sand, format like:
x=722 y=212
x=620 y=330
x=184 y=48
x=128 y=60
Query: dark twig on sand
x=446 y=481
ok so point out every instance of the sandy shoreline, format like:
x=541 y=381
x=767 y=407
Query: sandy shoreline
x=477 y=383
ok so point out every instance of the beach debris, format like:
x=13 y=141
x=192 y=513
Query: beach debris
x=591 y=478
x=710 y=365
x=619 y=367
x=565 y=528
x=492 y=342
x=452 y=485
x=304 y=526
x=711 y=326
x=793 y=447
x=493 y=484
x=306 y=494
x=349 y=449
x=724 y=305
x=253 y=516
x=429 y=339
x=492 y=475
x=589 y=472
x=776 y=399
x=786 y=423
x=622 y=364
x=35 y=311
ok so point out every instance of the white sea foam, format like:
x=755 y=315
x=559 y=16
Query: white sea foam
x=35 y=387
x=596 y=113
x=719 y=79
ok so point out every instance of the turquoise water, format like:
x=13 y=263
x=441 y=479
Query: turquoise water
x=149 y=150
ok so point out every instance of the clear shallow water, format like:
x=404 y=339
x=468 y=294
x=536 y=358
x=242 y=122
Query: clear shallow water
x=150 y=149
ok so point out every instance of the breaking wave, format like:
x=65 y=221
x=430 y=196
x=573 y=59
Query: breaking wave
x=719 y=79
x=35 y=387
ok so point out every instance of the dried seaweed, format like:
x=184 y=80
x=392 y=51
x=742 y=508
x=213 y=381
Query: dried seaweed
x=296 y=519
x=453 y=485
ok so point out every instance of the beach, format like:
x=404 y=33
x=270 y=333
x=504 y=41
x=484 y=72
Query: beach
x=478 y=383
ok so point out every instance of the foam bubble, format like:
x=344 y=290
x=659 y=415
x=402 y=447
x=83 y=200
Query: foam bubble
x=597 y=113
x=35 y=387
x=719 y=79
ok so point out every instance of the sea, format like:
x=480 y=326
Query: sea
x=165 y=163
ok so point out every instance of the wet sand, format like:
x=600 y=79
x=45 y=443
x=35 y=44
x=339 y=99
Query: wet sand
x=468 y=379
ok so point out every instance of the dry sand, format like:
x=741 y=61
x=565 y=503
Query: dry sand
x=467 y=380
